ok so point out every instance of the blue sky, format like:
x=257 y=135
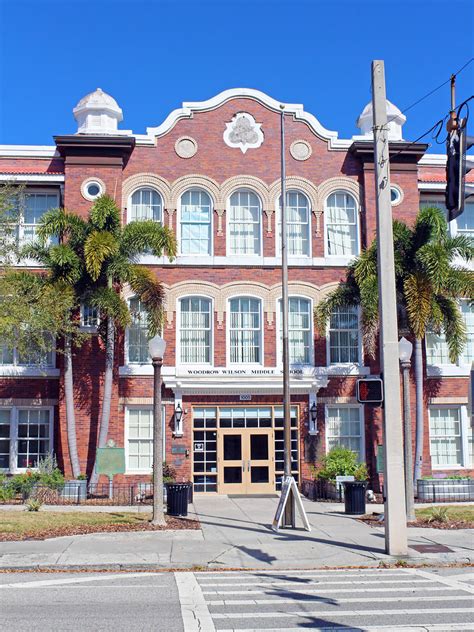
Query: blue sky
x=153 y=54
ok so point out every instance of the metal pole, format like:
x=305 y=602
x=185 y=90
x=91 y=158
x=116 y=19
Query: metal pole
x=158 y=517
x=395 y=516
x=407 y=448
x=289 y=516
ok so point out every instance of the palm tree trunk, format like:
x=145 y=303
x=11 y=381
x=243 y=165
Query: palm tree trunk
x=70 y=414
x=419 y=411
x=107 y=396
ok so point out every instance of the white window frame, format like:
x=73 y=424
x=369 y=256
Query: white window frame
x=308 y=224
x=127 y=337
x=459 y=368
x=362 y=458
x=229 y=252
x=345 y=257
x=21 y=220
x=464 y=428
x=345 y=365
x=129 y=470
x=261 y=341
x=211 y=223
x=279 y=319
x=178 y=331
x=17 y=366
x=14 y=422
x=84 y=327
x=145 y=187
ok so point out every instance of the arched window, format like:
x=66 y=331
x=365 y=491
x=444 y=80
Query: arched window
x=299 y=330
x=196 y=213
x=195 y=330
x=244 y=223
x=245 y=331
x=297 y=219
x=146 y=204
x=340 y=218
x=137 y=334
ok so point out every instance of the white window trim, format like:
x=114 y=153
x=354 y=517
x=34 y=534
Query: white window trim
x=129 y=206
x=21 y=222
x=87 y=328
x=254 y=256
x=178 y=361
x=279 y=345
x=13 y=469
x=346 y=367
x=209 y=254
x=341 y=259
x=248 y=365
x=362 y=426
x=126 y=436
x=464 y=423
x=32 y=370
x=459 y=369
x=293 y=258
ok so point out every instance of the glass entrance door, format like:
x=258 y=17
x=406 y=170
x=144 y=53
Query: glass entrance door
x=246 y=464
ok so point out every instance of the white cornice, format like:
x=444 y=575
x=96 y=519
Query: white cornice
x=432 y=186
x=433 y=160
x=28 y=151
x=190 y=107
x=51 y=178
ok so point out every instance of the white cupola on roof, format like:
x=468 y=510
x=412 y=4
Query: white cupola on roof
x=395 y=121
x=98 y=113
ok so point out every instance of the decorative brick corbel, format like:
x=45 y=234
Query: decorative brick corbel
x=269 y=212
x=318 y=214
x=220 y=212
x=171 y=212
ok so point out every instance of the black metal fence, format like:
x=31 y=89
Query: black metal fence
x=322 y=490
x=78 y=494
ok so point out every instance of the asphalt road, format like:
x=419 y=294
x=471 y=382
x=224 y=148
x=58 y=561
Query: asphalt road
x=368 y=599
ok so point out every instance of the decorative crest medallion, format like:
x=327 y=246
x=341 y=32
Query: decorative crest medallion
x=243 y=132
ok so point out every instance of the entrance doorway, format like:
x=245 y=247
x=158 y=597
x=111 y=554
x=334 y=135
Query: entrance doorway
x=246 y=462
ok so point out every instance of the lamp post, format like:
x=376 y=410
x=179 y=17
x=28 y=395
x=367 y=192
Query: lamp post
x=405 y=349
x=156 y=348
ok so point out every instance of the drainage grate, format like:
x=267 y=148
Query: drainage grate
x=431 y=548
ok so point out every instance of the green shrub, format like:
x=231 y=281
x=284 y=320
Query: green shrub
x=438 y=514
x=33 y=504
x=341 y=462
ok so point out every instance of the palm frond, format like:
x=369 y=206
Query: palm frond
x=110 y=304
x=151 y=294
x=37 y=251
x=430 y=225
x=105 y=215
x=460 y=282
x=343 y=295
x=460 y=246
x=433 y=262
x=454 y=327
x=418 y=294
x=99 y=246
x=146 y=235
x=66 y=264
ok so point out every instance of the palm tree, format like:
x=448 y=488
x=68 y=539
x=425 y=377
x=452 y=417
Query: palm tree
x=429 y=281
x=97 y=257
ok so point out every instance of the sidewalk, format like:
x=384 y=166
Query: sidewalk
x=236 y=533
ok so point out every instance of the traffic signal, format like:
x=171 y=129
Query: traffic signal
x=457 y=165
x=370 y=391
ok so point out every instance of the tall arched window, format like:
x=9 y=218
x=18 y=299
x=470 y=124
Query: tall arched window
x=146 y=204
x=245 y=331
x=340 y=219
x=137 y=334
x=196 y=213
x=195 y=330
x=297 y=218
x=299 y=330
x=244 y=223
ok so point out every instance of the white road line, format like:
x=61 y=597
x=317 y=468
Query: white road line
x=466 y=577
x=326 y=591
x=348 y=583
x=435 y=627
x=448 y=581
x=245 y=576
x=194 y=610
x=278 y=600
x=336 y=613
x=74 y=580
x=298 y=571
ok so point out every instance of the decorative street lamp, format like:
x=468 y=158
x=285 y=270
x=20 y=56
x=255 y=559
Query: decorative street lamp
x=313 y=413
x=156 y=348
x=405 y=349
x=178 y=415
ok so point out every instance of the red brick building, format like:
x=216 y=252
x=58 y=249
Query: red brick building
x=211 y=172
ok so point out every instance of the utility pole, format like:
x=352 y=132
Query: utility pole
x=395 y=516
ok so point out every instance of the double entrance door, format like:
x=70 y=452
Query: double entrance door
x=246 y=461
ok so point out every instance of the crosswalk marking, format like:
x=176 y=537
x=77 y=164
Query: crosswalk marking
x=331 y=591
x=433 y=627
x=448 y=581
x=194 y=610
x=281 y=600
x=354 y=582
x=336 y=613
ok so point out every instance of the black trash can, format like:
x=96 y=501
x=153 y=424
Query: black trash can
x=177 y=499
x=354 y=497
